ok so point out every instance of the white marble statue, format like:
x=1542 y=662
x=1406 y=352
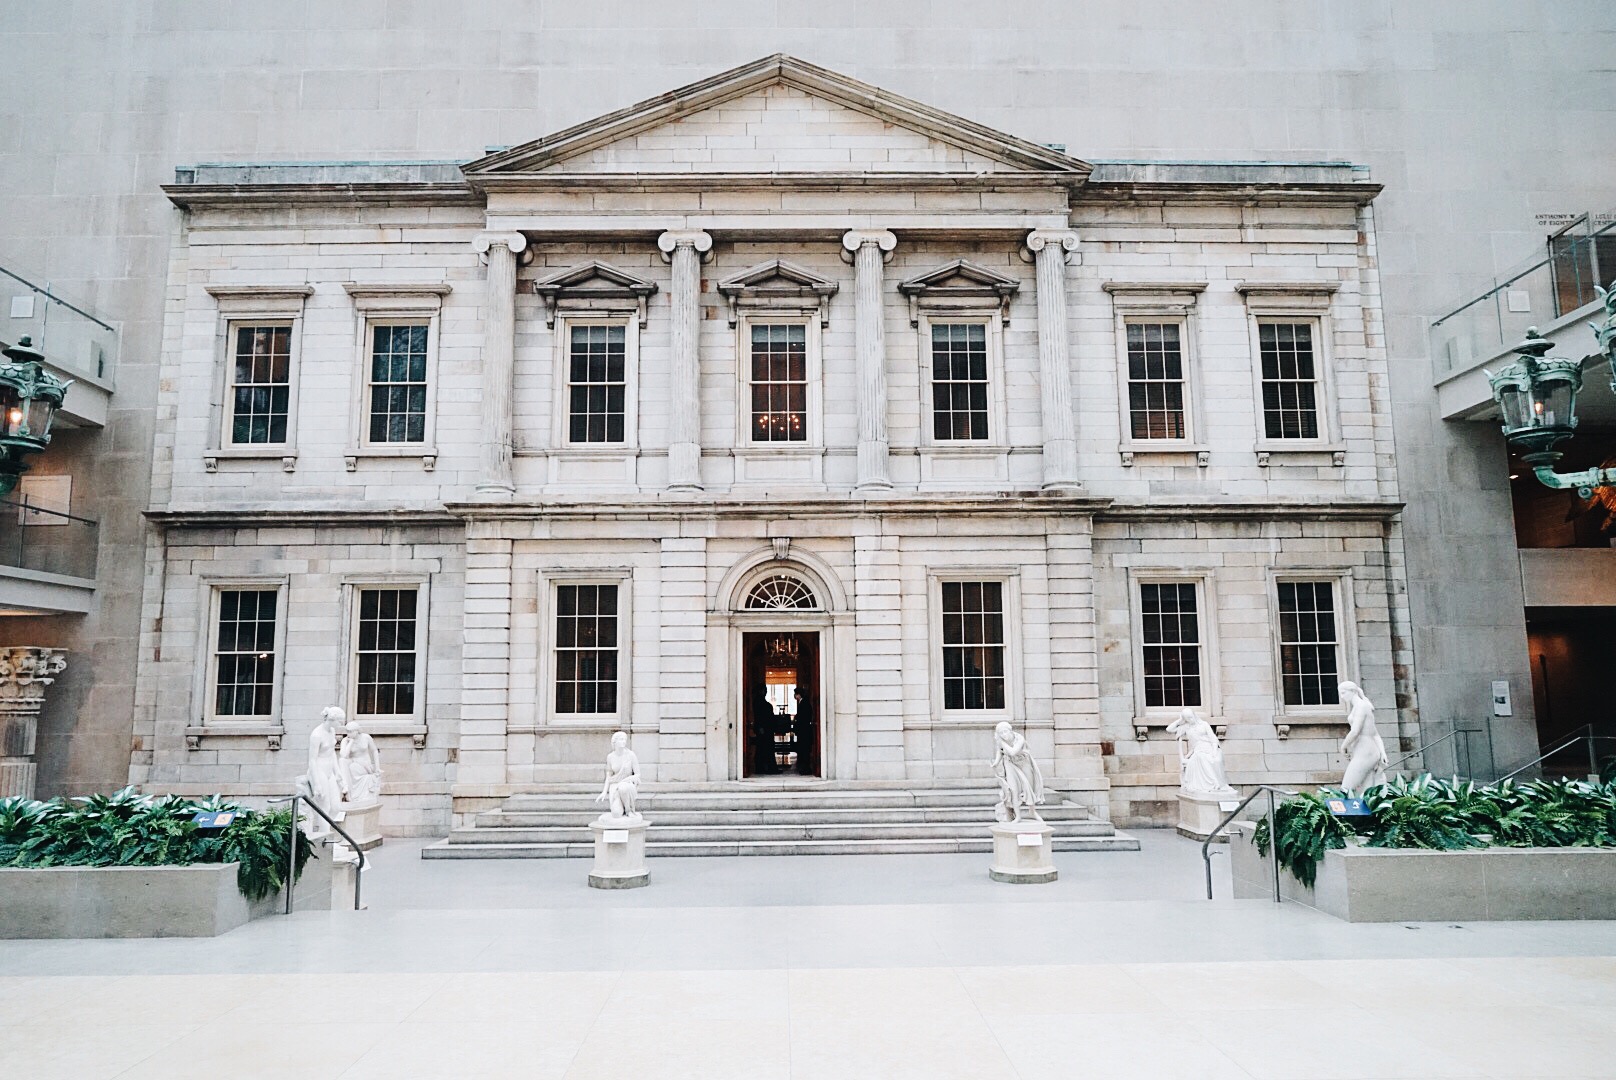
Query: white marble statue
x=361 y=766
x=1366 y=753
x=1021 y=784
x=622 y=781
x=325 y=771
x=1200 y=758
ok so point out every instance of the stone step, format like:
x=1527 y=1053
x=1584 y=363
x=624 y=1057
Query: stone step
x=581 y=815
x=764 y=833
x=443 y=849
x=765 y=798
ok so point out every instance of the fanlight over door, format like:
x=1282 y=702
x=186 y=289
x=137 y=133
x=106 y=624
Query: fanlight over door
x=781 y=593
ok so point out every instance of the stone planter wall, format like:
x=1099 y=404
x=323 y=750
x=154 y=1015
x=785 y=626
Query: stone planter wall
x=201 y=900
x=1411 y=885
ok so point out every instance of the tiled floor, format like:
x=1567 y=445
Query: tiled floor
x=845 y=968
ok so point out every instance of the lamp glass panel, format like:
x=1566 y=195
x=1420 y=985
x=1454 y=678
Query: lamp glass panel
x=40 y=412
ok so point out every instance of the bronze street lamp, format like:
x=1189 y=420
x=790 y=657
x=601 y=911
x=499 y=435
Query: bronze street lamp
x=1538 y=398
x=29 y=398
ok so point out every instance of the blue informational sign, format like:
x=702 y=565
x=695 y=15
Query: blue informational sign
x=214 y=819
x=1347 y=807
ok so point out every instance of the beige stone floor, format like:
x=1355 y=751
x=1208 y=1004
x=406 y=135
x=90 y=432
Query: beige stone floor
x=845 y=969
x=1348 y=1019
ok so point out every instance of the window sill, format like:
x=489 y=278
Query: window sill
x=973 y=448
x=1143 y=724
x=1268 y=450
x=383 y=728
x=427 y=454
x=246 y=729
x=1129 y=451
x=286 y=455
x=782 y=449
x=1285 y=722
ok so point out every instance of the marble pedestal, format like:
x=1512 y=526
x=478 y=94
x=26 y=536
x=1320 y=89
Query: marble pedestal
x=363 y=823
x=1022 y=852
x=1199 y=814
x=619 y=854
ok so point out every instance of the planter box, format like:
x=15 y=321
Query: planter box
x=1412 y=885
x=200 y=900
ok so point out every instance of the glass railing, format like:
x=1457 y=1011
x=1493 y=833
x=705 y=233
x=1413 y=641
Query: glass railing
x=1561 y=280
x=48 y=541
x=70 y=335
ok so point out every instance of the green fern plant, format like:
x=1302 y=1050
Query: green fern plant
x=1306 y=830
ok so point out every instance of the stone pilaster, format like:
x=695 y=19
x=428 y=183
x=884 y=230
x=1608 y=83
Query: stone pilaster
x=870 y=249
x=485 y=659
x=499 y=360
x=25 y=672
x=1050 y=249
x=685 y=249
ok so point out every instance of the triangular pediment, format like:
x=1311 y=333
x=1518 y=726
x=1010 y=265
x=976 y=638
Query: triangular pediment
x=594 y=285
x=957 y=275
x=777 y=274
x=778 y=115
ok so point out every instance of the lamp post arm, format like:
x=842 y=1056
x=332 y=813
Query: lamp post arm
x=1584 y=481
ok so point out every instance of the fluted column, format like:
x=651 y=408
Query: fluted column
x=1050 y=248
x=684 y=249
x=499 y=360
x=870 y=249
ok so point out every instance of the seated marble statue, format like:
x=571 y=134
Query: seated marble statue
x=1021 y=784
x=1199 y=755
x=361 y=767
x=622 y=780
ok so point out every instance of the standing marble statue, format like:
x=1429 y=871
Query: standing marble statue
x=1200 y=758
x=361 y=766
x=325 y=771
x=622 y=780
x=1021 y=784
x=1366 y=753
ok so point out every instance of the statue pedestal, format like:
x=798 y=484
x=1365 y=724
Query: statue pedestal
x=1199 y=814
x=619 y=854
x=363 y=823
x=1022 y=853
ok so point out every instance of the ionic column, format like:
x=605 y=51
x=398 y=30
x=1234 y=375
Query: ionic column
x=1050 y=248
x=684 y=249
x=499 y=360
x=870 y=249
x=25 y=672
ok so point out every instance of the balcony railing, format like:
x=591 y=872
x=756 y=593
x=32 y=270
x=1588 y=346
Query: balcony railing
x=71 y=337
x=47 y=541
x=1549 y=287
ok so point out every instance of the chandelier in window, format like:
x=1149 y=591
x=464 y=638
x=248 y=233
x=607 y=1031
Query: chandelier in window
x=780 y=593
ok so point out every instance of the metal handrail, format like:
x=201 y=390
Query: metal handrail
x=1422 y=749
x=1273 y=837
x=291 y=848
x=32 y=508
x=1576 y=735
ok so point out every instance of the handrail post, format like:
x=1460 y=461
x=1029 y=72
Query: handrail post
x=1273 y=843
x=291 y=857
x=1593 y=760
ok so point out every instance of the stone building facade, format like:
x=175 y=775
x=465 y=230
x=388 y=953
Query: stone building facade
x=776 y=383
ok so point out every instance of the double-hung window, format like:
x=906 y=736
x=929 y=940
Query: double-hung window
x=397 y=370
x=244 y=645
x=959 y=381
x=259 y=396
x=396 y=398
x=1290 y=380
x=778 y=365
x=586 y=650
x=597 y=383
x=974 y=646
x=386 y=656
x=1309 y=642
x=1156 y=397
x=1171 y=644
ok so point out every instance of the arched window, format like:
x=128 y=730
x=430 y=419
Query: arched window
x=780 y=592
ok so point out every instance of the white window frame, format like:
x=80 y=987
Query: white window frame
x=561 y=425
x=998 y=420
x=1300 y=302
x=400 y=724
x=242 y=306
x=394 y=305
x=1341 y=580
x=1206 y=599
x=1015 y=706
x=814 y=371
x=207 y=675
x=549 y=581
x=1160 y=302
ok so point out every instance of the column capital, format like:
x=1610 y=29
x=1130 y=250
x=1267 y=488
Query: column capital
x=854 y=239
x=673 y=239
x=513 y=240
x=1064 y=240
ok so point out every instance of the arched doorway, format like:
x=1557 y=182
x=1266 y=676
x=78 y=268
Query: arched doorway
x=782 y=715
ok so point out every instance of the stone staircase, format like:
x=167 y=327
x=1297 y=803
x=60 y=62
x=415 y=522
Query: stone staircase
x=774 y=818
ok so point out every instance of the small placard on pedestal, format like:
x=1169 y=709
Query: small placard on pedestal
x=1022 y=853
x=619 y=853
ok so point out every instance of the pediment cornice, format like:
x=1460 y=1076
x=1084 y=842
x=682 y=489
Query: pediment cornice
x=778 y=284
x=959 y=284
x=595 y=284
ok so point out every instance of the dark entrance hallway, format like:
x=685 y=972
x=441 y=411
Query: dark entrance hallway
x=780 y=704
